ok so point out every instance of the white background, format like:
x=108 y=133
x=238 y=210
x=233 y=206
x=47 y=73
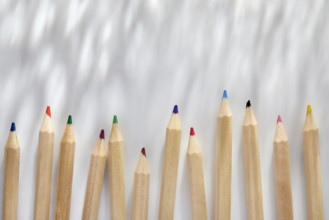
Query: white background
x=136 y=59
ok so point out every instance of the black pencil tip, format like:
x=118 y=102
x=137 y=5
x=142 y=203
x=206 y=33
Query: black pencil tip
x=248 y=104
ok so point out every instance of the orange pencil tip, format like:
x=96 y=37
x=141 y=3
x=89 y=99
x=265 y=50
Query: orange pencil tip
x=48 y=111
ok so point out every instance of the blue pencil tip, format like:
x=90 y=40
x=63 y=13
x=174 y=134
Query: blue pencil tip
x=225 y=94
x=175 y=111
x=13 y=127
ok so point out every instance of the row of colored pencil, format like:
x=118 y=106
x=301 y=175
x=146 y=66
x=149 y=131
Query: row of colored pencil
x=169 y=172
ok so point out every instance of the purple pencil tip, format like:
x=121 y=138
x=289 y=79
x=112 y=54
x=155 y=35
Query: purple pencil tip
x=101 y=135
x=175 y=111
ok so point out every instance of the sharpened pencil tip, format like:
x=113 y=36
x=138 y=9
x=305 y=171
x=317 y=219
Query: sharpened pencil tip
x=48 y=111
x=13 y=127
x=115 y=119
x=309 y=110
x=279 y=119
x=225 y=94
x=192 y=133
x=248 y=104
x=69 y=120
x=101 y=135
x=143 y=151
x=175 y=111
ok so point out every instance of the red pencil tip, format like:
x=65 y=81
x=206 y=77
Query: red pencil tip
x=279 y=119
x=48 y=111
x=101 y=135
x=143 y=151
x=192 y=131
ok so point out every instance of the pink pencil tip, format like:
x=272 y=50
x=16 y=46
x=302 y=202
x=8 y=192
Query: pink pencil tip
x=279 y=119
x=192 y=131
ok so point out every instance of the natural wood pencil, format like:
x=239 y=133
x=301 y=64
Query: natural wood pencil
x=141 y=188
x=95 y=180
x=196 y=179
x=116 y=173
x=223 y=161
x=11 y=176
x=282 y=173
x=170 y=168
x=65 y=173
x=44 y=168
x=252 y=165
x=312 y=167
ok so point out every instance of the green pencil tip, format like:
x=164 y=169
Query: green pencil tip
x=69 y=120
x=115 y=119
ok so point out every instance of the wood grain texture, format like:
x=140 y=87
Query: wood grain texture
x=44 y=170
x=141 y=190
x=170 y=169
x=223 y=162
x=282 y=174
x=95 y=181
x=252 y=166
x=65 y=175
x=11 y=178
x=312 y=169
x=196 y=180
x=116 y=174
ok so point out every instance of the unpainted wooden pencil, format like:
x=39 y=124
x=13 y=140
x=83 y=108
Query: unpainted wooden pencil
x=116 y=173
x=65 y=173
x=282 y=173
x=95 y=180
x=312 y=167
x=11 y=176
x=196 y=178
x=141 y=188
x=44 y=168
x=170 y=168
x=252 y=165
x=223 y=161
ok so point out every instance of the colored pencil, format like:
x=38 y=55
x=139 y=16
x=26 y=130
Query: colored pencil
x=196 y=178
x=170 y=167
x=312 y=167
x=95 y=180
x=141 y=188
x=252 y=165
x=44 y=168
x=11 y=176
x=223 y=161
x=116 y=173
x=282 y=173
x=65 y=173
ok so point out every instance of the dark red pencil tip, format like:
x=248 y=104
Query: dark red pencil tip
x=143 y=151
x=101 y=135
x=192 y=131
x=48 y=111
x=279 y=119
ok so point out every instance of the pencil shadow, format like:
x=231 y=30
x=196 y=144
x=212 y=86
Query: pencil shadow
x=185 y=193
x=242 y=182
x=53 y=186
x=104 y=211
x=2 y=179
x=272 y=187
x=160 y=178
